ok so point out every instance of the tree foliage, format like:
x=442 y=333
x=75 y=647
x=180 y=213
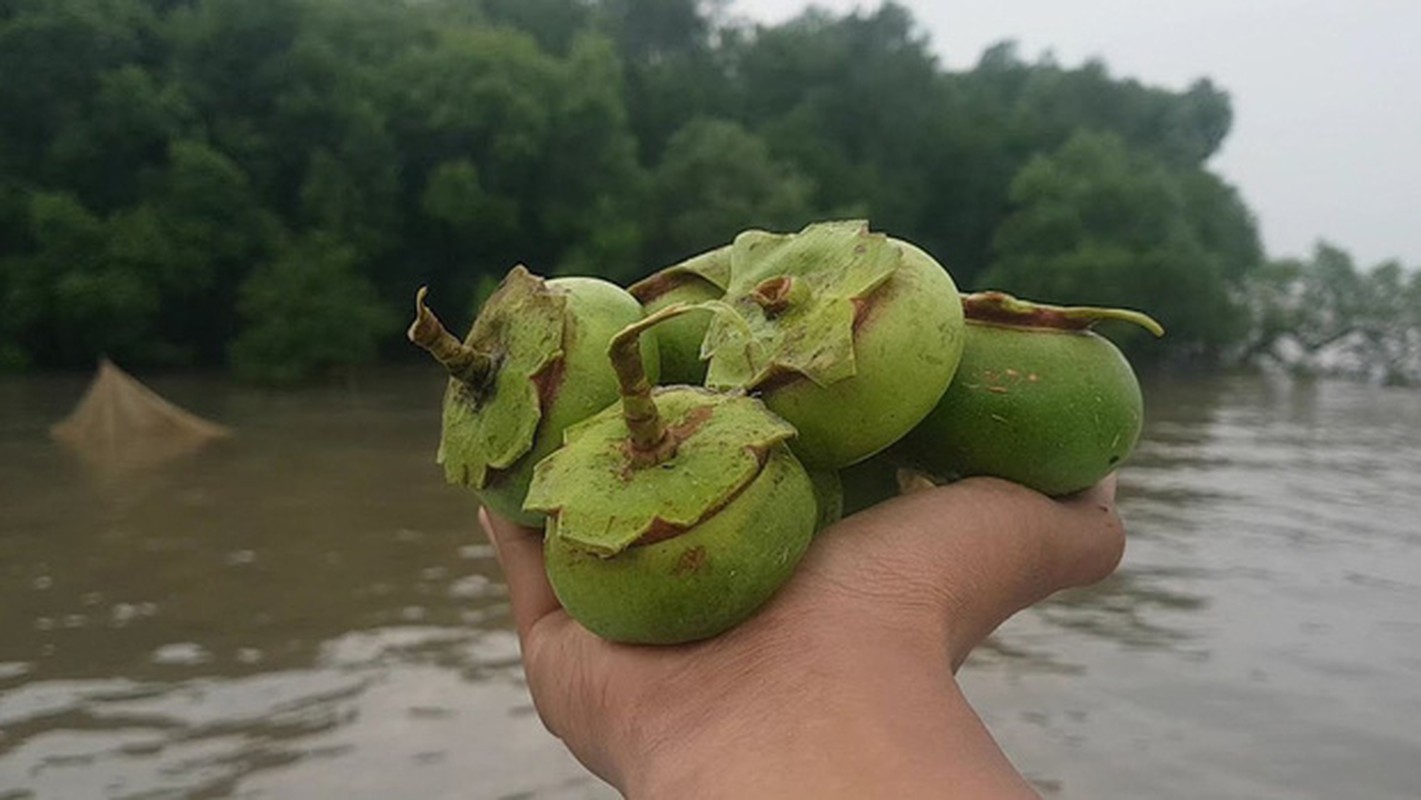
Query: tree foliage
x=1095 y=223
x=715 y=180
x=308 y=311
x=205 y=181
x=1324 y=315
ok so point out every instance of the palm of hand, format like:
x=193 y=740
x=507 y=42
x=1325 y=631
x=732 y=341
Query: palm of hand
x=896 y=594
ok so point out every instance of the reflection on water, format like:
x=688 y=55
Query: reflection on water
x=1132 y=607
x=1261 y=638
x=305 y=611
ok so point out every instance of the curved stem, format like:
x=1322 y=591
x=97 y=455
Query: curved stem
x=650 y=443
x=644 y=422
x=1004 y=309
x=463 y=362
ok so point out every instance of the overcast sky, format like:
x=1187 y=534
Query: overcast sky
x=1326 y=141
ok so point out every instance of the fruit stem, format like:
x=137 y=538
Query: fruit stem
x=650 y=442
x=464 y=363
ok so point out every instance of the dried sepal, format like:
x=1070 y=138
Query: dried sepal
x=1000 y=308
x=712 y=267
x=605 y=501
x=796 y=296
x=489 y=425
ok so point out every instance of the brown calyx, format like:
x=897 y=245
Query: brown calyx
x=778 y=377
x=866 y=307
x=665 y=447
x=1000 y=308
x=774 y=294
x=660 y=283
x=660 y=530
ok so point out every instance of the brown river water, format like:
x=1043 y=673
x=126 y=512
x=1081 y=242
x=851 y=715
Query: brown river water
x=307 y=611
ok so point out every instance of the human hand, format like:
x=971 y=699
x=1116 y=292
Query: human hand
x=841 y=686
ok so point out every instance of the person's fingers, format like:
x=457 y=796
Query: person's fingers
x=520 y=553
x=971 y=554
x=558 y=661
x=1091 y=549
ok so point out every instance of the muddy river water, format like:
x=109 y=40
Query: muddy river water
x=307 y=611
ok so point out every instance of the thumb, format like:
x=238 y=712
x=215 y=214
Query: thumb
x=967 y=556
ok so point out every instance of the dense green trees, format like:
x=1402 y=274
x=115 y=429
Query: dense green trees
x=715 y=177
x=1094 y=223
x=263 y=183
x=306 y=311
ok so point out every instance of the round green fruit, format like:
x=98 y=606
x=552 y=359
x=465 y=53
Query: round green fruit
x=675 y=515
x=1039 y=398
x=829 y=496
x=533 y=363
x=699 y=582
x=849 y=335
x=694 y=280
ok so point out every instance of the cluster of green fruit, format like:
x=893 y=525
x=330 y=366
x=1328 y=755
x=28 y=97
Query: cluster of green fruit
x=682 y=441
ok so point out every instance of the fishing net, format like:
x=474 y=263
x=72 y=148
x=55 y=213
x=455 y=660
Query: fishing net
x=120 y=419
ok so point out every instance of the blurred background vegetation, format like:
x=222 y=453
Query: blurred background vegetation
x=262 y=184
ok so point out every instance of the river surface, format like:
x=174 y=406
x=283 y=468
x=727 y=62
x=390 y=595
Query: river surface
x=307 y=611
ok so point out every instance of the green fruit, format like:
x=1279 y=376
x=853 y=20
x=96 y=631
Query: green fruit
x=828 y=496
x=675 y=515
x=699 y=583
x=695 y=280
x=1039 y=398
x=849 y=335
x=533 y=364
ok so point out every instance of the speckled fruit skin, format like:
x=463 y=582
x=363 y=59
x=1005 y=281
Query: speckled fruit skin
x=701 y=582
x=1054 y=410
x=829 y=495
x=906 y=351
x=596 y=310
